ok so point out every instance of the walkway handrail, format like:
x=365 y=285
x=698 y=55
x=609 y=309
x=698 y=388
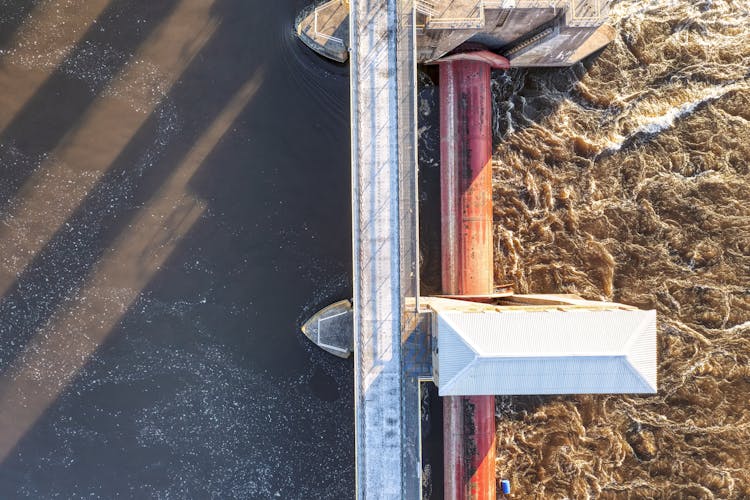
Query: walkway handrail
x=597 y=16
x=320 y=34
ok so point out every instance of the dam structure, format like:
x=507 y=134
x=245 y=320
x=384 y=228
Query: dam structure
x=529 y=33
x=393 y=331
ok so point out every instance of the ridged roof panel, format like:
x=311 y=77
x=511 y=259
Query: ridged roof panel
x=547 y=352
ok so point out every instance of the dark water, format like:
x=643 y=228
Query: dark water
x=626 y=178
x=174 y=202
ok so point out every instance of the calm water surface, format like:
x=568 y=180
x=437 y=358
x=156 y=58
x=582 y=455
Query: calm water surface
x=174 y=203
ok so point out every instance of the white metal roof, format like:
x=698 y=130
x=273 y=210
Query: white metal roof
x=557 y=351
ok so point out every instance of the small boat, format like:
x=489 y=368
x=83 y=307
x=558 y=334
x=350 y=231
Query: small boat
x=332 y=328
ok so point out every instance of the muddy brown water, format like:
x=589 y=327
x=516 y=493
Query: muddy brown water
x=628 y=178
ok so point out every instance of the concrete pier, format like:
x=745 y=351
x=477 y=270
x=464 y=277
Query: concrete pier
x=529 y=33
x=325 y=28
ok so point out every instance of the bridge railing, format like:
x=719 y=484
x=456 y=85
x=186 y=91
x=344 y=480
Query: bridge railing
x=526 y=4
x=476 y=21
x=587 y=12
x=320 y=9
x=426 y=7
x=579 y=12
x=406 y=67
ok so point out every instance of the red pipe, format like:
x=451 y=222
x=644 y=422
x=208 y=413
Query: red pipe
x=467 y=259
x=454 y=476
x=466 y=177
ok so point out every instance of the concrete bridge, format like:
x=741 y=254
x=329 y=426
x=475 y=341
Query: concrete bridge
x=384 y=203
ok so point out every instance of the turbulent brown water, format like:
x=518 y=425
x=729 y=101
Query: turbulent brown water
x=626 y=178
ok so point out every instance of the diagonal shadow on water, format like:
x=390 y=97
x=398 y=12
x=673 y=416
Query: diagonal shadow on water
x=178 y=399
